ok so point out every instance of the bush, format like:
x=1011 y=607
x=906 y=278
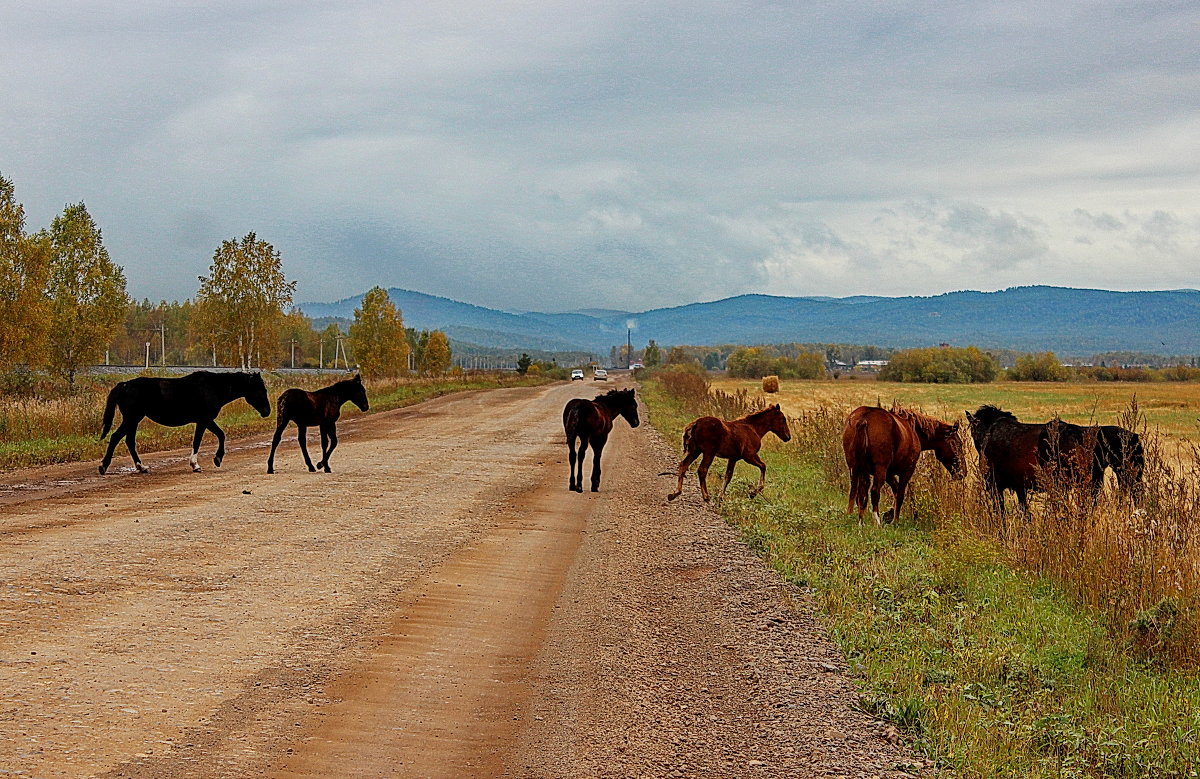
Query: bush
x=1039 y=367
x=941 y=365
x=687 y=382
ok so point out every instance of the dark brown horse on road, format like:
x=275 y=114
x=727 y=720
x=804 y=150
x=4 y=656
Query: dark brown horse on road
x=739 y=439
x=884 y=446
x=196 y=398
x=589 y=422
x=316 y=409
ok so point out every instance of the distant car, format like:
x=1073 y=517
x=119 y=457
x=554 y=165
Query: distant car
x=577 y=375
x=600 y=375
x=635 y=365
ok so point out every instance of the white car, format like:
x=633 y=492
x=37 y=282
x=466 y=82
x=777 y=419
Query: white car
x=577 y=374
x=600 y=375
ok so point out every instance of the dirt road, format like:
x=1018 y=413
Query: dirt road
x=440 y=605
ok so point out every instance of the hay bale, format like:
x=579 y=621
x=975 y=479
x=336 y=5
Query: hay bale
x=770 y=384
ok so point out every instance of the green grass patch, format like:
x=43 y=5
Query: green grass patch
x=990 y=671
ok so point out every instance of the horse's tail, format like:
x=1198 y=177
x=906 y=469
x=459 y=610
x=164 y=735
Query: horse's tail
x=110 y=409
x=862 y=441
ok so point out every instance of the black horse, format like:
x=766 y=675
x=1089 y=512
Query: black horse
x=321 y=408
x=590 y=422
x=1121 y=449
x=196 y=398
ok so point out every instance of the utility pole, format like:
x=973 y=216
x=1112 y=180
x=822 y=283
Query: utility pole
x=147 y=355
x=162 y=331
x=628 y=346
x=321 y=362
x=293 y=352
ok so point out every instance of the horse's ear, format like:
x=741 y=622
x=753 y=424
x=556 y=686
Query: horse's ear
x=954 y=428
x=776 y=406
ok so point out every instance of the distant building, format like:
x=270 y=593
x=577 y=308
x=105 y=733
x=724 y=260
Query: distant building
x=871 y=366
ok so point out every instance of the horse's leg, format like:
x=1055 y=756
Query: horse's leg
x=728 y=477
x=328 y=436
x=757 y=462
x=279 y=428
x=571 y=459
x=584 y=442
x=117 y=435
x=702 y=475
x=302 y=439
x=193 y=460
x=131 y=443
x=877 y=482
x=220 y=434
x=899 y=486
x=684 y=464
x=597 y=450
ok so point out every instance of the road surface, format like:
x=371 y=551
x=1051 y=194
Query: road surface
x=438 y=606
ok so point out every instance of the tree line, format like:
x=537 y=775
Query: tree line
x=64 y=306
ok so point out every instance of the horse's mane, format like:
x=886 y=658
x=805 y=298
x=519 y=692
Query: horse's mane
x=756 y=414
x=613 y=395
x=925 y=423
x=989 y=415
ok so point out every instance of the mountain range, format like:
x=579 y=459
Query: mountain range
x=1065 y=320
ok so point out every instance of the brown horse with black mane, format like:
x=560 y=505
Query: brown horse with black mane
x=589 y=422
x=739 y=439
x=316 y=409
x=884 y=446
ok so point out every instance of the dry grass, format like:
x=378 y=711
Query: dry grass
x=1138 y=565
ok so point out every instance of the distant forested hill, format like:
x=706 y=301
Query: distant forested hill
x=1064 y=320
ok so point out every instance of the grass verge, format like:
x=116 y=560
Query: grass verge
x=991 y=671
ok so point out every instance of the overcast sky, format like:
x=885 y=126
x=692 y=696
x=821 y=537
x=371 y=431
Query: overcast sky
x=561 y=155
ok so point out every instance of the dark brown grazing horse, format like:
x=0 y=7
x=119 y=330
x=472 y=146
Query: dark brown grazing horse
x=1024 y=457
x=1121 y=449
x=739 y=439
x=316 y=409
x=589 y=422
x=884 y=446
x=193 y=399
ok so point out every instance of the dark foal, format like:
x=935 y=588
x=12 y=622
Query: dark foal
x=316 y=409
x=883 y=446
x=193 y=399
x=589 y=422
x=739 y=439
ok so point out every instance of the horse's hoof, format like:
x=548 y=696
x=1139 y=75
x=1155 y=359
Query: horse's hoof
x=327 y=469
x=595 y=489
x=673 y=495
x=103 y=470
x=195 y=469
x=312 y=469
x=270 y=470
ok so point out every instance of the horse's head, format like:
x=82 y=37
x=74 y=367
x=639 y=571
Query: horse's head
x=358 y=393
x=629 y=407
x=777 y=423
x=948 y=448
x=255 y=393
x=983 y=419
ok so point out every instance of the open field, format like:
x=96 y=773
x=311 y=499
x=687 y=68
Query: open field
x=1171 y=407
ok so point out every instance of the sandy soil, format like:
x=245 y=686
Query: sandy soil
x=440 y=605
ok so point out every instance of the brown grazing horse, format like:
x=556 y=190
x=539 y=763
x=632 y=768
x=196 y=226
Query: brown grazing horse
x=589 y=422
x=316 y=409
x=739 y=439
x=884 y=446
